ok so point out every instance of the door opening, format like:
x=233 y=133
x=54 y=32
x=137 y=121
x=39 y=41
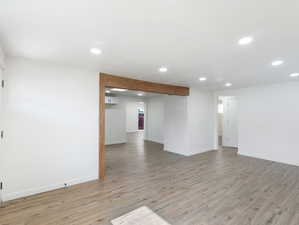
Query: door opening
x=118 y=82
x=227 y=122
x=140 y=118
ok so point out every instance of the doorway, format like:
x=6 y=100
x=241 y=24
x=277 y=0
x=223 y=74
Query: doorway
x=124 y=114
x=133 y=131
x=227 y=122
x=118 y=82
x=141 y=117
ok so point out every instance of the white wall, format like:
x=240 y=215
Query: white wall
x=2 y=58
x=176 y=128
x=155 y=119
x=268 y=121
x=189 y=123
x=115 y=124
x=51 y=127
x=200 y=121
x=122 y=118
x=132 y=113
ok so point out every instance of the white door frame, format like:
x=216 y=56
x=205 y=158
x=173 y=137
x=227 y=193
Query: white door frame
x=215 y=119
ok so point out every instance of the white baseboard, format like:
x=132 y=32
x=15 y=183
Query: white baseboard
x=132 y=131
x=38 y=190
x=190 y=153
x=1 y=199
x=116 y=143
x=283 y=161
x=158 y=142
x=178 y=153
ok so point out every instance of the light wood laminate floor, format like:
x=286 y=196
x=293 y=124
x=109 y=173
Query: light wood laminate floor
x=213 y=188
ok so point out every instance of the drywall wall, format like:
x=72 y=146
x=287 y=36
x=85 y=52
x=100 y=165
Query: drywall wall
x=2 y=58
x=132 y=116
x=51 y=127
x=155 y=119
x=175 y=122
x=189 y=123
x=115 y=124
x=122 y=118
x=268 y=121
x=200 y=121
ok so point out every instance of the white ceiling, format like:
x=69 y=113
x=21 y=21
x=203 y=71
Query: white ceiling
x=191 y=37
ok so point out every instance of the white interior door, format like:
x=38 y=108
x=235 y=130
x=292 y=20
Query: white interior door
x=230 y=122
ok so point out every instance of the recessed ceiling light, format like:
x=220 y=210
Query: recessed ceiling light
x=202 y=79
x=163 y=69
x=95 y=51
x=140 y=94
x=107 y=91
x=277 y=62
x=228 y=84
x=118 y=89
x=245 y=40
x=294 y=75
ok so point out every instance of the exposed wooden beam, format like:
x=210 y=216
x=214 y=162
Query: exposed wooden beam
x=140 y=85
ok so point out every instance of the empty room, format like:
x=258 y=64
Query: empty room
x=149 y=112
